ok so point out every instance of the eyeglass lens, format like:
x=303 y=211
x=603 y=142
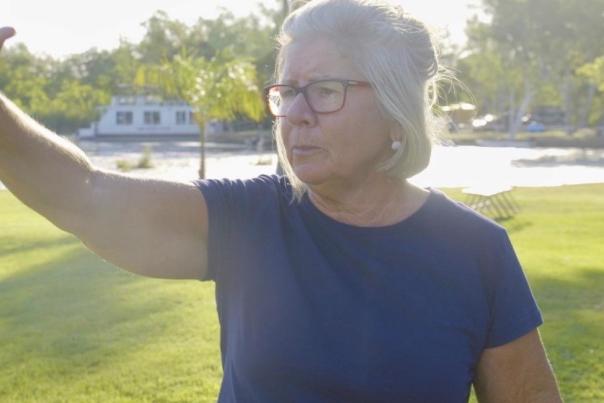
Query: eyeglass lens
x=322 y=96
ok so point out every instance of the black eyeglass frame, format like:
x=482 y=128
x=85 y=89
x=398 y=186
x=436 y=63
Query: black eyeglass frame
x=298 y=90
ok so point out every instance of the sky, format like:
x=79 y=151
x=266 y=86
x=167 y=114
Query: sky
x=62 y=27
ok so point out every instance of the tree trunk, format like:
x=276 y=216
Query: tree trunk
x=516 y=114
x=202 y=151
x=591 y=93
x=201 y=125
x=567 y=100
x=528 y=97
x=511 y=113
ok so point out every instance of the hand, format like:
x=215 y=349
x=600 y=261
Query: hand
x=5 y=33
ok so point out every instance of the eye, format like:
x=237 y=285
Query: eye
x=287 y=92
x=326 y=89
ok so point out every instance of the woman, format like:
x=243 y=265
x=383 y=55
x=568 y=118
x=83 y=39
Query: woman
x=340 y=282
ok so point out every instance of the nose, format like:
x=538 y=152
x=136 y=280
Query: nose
x=299 y=113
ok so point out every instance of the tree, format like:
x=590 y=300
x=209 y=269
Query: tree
x=489 y=78
x=246 y=37
x=24 y=78
x=62 y=93
x=126 y=61
x=251 y=37
x=74 y=106
x=217 y=89
x=594 y=73
x=163 y=39
x=544 y=41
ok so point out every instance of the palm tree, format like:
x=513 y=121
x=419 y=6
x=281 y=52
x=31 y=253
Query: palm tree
x=217 y=89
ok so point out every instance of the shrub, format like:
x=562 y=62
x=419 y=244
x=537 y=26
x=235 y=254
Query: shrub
x=145 y=160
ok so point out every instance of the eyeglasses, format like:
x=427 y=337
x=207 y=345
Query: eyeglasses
x=322 y=96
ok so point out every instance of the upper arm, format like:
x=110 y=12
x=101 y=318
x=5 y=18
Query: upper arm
x=152 y=227
x=516 y=372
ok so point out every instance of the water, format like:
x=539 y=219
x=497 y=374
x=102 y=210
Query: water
x=463 y=166
x=459 y=166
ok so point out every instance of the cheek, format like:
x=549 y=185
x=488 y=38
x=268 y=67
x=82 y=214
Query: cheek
x=363 y=145
x=355 y=137
x=285 y=132
x=285 y=135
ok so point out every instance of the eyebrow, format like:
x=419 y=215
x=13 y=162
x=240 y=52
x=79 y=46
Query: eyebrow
x=313 y=78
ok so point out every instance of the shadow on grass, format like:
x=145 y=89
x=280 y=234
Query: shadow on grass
x=74 y=305
x=516 y=224
x=573 y=331
x=76 y=328
x=8 y=248
x=584 y=291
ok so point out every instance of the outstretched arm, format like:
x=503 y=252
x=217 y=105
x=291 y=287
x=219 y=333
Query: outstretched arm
x=151 y=227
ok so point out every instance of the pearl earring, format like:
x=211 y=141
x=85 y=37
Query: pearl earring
x=396 y=145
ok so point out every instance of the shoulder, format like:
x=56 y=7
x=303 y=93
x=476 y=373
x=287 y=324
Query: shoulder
x=265 y=181
x=457 y=231
x=240 y=199
x=260 y=186
x=456 y=218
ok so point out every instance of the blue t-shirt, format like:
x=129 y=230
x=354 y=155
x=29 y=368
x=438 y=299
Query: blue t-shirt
x=315 y=310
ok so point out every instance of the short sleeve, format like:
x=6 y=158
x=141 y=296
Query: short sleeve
x=221 y=200
x=513 y=309
x=231 y=204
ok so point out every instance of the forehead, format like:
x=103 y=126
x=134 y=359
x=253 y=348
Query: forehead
x=306 y=60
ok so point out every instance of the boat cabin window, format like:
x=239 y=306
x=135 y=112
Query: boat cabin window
x=181 y=117
x=123 y=118
x=152 y=118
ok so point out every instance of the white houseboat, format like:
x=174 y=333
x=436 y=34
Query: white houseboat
x=145 y=115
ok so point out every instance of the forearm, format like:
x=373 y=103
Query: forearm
x=45 y=171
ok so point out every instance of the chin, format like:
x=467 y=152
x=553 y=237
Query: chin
x=311 y=175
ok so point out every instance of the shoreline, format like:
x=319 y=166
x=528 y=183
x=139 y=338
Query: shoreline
x=586 y=138
x=450 y=167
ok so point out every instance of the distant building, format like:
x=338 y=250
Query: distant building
x=145 y=115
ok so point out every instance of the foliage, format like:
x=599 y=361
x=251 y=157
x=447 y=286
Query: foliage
x=74 y=328
x=74 y=105
x=520 y=54
x=221 y=88
x=64 y=94
x=594 y=72
x=526 y=53
x=124 y=165
x=24 y=78
x=144 y=162
x=218 y=88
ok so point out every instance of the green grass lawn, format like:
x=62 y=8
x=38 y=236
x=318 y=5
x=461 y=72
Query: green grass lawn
x=76 y=329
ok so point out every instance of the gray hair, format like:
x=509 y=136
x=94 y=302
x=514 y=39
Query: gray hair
x=394 y=52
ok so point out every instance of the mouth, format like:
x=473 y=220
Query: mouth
x=304 y=150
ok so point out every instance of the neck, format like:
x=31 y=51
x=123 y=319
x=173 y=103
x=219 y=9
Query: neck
x=374 y=201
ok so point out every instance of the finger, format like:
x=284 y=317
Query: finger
x=5 y=33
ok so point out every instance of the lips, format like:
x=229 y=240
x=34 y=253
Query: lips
x=304 y=150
